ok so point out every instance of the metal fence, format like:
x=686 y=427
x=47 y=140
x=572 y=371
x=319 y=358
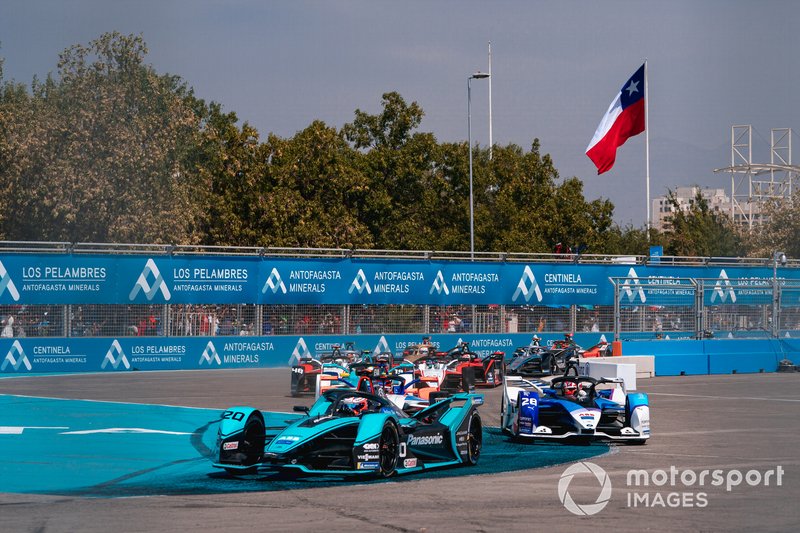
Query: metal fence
x=689 y=309
x=642 y=308
x=705 y=308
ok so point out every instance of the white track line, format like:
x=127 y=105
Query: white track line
x=724 y=397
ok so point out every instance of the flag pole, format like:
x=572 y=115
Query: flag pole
x=647 y=143
x=490 y=101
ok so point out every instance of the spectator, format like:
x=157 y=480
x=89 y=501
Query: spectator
x=8 y=327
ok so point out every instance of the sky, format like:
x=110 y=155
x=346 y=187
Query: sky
x=556 y=66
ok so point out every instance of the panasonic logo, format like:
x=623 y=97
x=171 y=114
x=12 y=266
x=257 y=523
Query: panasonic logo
x=425 y=440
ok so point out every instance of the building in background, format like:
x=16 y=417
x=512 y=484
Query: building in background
x=718 y=202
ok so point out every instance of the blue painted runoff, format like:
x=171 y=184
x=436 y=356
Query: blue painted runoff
x=108 y=450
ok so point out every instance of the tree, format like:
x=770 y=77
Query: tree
x=700 y=232
x=780 y=232
x=405 y=188
x=231 y=165
x=315 y=193
x=97 y=152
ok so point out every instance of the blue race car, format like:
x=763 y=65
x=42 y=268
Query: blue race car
x=349 y=432
x=578 y=408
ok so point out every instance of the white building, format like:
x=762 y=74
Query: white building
x=662 y=209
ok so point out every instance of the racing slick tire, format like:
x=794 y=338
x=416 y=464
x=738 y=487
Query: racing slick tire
x=389 y=453
x=474 y=439
x=252 y=444
x=549 y=366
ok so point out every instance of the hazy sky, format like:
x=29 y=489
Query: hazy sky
x=556 y=67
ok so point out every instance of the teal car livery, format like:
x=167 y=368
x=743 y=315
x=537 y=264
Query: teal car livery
x=348 y=432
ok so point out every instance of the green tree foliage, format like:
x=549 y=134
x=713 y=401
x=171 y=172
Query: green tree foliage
x=781 y=232
x=317 y=192
x=231 y=165
x=404 y=191
x=629 y=240
x=700 y=232
x=97 y=151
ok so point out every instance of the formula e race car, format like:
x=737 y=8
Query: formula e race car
x=536 y=361
x=578 y=408
x=470 y=369
x=306 y=373
x=407 y=392
x=352 y=433
x=601 y=349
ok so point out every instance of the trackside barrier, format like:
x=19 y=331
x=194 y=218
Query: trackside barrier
x=108 y=354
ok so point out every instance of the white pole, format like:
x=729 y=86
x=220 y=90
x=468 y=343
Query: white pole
x=647 y=143
x=469 y=147
x=490 y=101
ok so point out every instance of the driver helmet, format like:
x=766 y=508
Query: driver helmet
x=568 y=336
x=356 y=405
x=583 y=392
x=570 y=388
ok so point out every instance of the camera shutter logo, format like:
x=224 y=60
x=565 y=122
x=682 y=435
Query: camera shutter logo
x=142 y=284
x=209 y=355
x=632 y=280
x=7 y=284
x=527 y=286
x=300 y=351
x=439 y=286
x=360 y=283
x=274 y=282
x=723 y=288
x=115 y=355
x=584 y=509
x=16 y=358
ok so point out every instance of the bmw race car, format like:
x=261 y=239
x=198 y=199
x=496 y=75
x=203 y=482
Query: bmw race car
x=348 y=432
x=574 y=407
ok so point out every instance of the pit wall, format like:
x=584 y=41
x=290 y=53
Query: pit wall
x=108 y=354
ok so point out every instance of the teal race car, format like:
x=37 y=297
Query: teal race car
x=352 y=433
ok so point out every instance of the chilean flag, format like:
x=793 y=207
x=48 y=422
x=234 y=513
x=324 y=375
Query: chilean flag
x=624 y=119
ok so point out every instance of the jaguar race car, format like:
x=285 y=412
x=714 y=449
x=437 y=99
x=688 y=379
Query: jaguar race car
x=578 y=408
x=352 y=433
x=306 y=373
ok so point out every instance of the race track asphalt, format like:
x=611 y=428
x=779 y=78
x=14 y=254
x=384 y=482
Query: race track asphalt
x=704 y=427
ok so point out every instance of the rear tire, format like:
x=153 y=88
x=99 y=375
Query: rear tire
x=389 y=450
x=474 y=439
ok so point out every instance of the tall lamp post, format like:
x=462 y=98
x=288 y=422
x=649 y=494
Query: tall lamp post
x=777 y=257
x=476 y=76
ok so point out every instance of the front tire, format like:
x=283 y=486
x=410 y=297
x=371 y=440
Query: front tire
x=389 y=450
x=474 y=439
x=251 y=445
